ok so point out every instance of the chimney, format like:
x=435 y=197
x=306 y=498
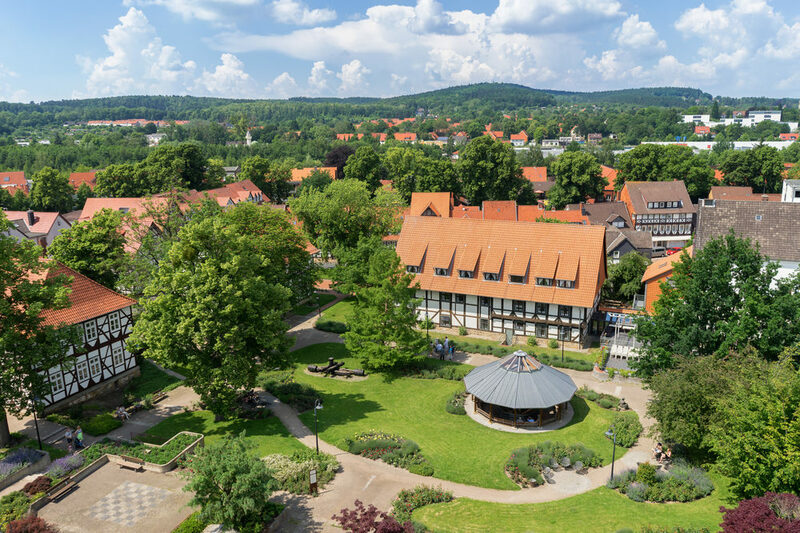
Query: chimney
x=31 y=218
x=764 y=198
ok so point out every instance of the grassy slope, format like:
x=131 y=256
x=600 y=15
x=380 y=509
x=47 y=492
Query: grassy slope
x=601 y=510
x=268 y=435
x=151 y=380
x=458 y=448
x=340 y=311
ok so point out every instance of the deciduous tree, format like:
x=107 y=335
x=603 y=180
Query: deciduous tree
x=760 y=168
x=365 y=165
x=653 y=162
x=318 y=179
x=625 y=278
x=51 y=191
x=489 y=171
x=578 y=176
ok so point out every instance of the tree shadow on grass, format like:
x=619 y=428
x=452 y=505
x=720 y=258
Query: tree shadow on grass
x=580 y=410
x=341 y=408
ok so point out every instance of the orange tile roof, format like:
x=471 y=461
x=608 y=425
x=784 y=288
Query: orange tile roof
x=499 y=210
x=344 y=136
x=518 y=262
x=663 y=265
x=88 y=299
x=567 y=266
x=467 y=211
x=14 y=180
x=532 y=213
x=534 y=174
x=78 y=178
x=443 y=256
x=299 y=174
x=521 y=136
x=610 y=174
x=506 y=239
x=718 y=175
x=440 y=203
x=406 y=137
x=789 y=136
x=43 y=220
x=702 y=130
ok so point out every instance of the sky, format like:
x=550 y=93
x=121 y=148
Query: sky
x=55 y=49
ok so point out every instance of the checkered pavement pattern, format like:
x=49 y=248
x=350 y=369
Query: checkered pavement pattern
x=127 y=504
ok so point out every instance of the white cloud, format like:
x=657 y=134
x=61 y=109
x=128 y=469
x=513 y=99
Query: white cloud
x=10 y=91
x=398 y=81
x=228 y=79
x=283 y=86
x=429 y=17
x=785 y=44
x=548 y=16
x=449 y=67
x=635 y=33
x=205 y=10
x=352 y=76
x=297 y=13
x=607 y=65
x=318 y=79
x=138 y=62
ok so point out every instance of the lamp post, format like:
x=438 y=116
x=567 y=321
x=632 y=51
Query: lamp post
x=317 y=406
x=36 y=422
x=562 y=345
x=612 y=434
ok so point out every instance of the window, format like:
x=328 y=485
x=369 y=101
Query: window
x=615 y=254
x=491 y=276
x=94 y=366
x=486 y=301
x=441 y=272
x=113 y=321
x=444 y=296
x=444 y=321
x=90 y=328
x=518 y=306
x=619 y=223
x=661 y=205
x=484 y=324
x=466 y=274
x=519 y=325
x=82 y=369
x=541 y=331
x=563 y=333
x=56 y=382
x=412 y=269
x=758 y=218
x=116 y=356
x=541 y=309
x=516 y=279
x=564 y=311
x=460 y=298
x=544 y=282
x=566 y=283
x=649 y=205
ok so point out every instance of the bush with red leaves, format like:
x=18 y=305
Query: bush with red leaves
x=40 y=484
x=370 y=520
x=768 y=514
x=30 y=524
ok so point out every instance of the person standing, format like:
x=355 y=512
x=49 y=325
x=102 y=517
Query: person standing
x=446 y=348
x=78 y=438
x=68 y=438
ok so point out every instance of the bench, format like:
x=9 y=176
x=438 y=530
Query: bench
x=157 y=397
x=134 y=463
x=60 y=489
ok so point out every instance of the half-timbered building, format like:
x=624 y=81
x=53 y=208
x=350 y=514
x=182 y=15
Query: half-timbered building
x=100 y=361
x=506 y=276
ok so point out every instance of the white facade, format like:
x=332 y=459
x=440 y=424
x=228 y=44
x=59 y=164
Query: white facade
x=697 y=119
x=791 y=191
x=697 y=146
x=102 y=355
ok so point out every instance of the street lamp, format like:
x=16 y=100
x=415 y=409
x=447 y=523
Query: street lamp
x=612 y=434
x=317 y=407
x=36 y=422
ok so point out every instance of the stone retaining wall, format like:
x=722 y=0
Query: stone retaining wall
x=32 y=468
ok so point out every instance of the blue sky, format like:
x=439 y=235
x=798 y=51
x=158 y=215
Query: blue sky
x=281 y=48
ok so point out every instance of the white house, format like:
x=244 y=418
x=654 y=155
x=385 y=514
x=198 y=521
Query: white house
x=697 y=119
x=39 y=226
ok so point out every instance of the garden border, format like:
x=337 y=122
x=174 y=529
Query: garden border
x=32 y=468
x=166 y=467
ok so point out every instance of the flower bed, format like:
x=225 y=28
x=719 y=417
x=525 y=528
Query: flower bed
x=408 y=500
x=681 y=483
x=391 y=449
x=292 y=471
x=159 y=455
x=455 y=405
x=528 y=467
x=61 y=468
x=17 y=460
x=12 y=507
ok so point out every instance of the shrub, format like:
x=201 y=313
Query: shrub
x=391 y=449
x=627 y=428
x=525 y=465
x=621 y=480
x=40 y=484
x=282 y=384
x=63 y=467
x=365 y=519
x=552 y=343
x=646 y=473
x=333 y=326
x=611 y=372
x=12 y=507
x=636 y=491
x=455 y=405
x=101 y=424
x=30 y=524
x=532 y=341
x=681 y=483
x=292 y=471
x=605 y=403
x=408 y=500
x=771 y=512
x=193 y=524
x=462 y=331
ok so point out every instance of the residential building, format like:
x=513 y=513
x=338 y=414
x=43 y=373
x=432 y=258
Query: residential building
x=344 y=136
x=551 y=143
x=609 y=191
x=662 y=208
x=659 y=271
x=741 y=193
x=594 y=139
x=701 y=119
x=791 y=191
x=101 y=361
x=232 y=173
x=771 y=225
x=76 y=179
x=230 y=194
x=621 y=237
x=153 y=139
x=702 y=130
x=39 y=226
x=519 y=139
x=534 y=174
x=406 y=137
x=11 y=181
x=299 y=174
x=789 y=136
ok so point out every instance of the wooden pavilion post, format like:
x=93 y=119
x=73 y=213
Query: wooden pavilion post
x=474 y=404
x=491 y=413
x=540 y=417
x=515 y=418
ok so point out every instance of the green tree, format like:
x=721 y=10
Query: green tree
x=625 y=277
x=718 y=301
x=232 y=486
x=123 y=181
x=382 y=330
x=756 y=432
x=272 y=179
x=653 y=162
x=760 y=168
x=438 y=175
x=82 y=194
x=715 y=114
x=345 y=212
x=318 y=179
x=172 y=166
x=255 y=169
x=95 y=248
x=51 y=191
x=215 y=173
x=578 y=176
x=216 y=306
x=26 y=344
x=489 y=171
x=365 y=165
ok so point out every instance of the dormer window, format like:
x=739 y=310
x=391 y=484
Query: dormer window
x=516 y=279
x=441 y=272
x=411 y=269
x=491 y=276
x=544 y=282
x=466 y=274
x=565 y=284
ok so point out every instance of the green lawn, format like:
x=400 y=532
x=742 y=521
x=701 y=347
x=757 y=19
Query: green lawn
x=151 y=380
x=459 y=448
x=339 y=311
x=312 y=305
x=601 y=510
x=268 y=435
x=590 y=356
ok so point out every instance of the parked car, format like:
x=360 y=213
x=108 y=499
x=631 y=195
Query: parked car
x=658 y=251
x=671 y=251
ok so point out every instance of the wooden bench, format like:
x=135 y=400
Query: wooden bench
x=134 y=463
x=60 y=489
x=157 y=397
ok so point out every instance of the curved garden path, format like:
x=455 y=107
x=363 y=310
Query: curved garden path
x=377 y=483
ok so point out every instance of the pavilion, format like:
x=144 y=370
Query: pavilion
x=519 y=391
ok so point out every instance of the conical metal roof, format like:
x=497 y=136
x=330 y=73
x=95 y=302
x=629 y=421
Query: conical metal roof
x=519 y=381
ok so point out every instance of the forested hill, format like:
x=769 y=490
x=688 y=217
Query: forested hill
x=646 y=96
